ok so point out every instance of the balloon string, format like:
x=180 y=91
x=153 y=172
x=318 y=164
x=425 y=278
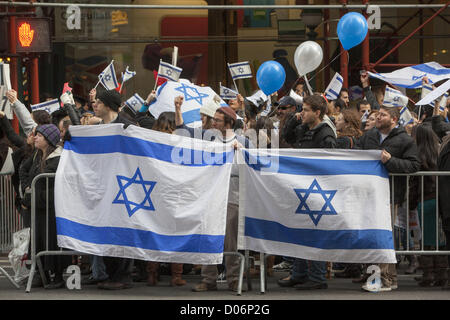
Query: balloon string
x=328 y=65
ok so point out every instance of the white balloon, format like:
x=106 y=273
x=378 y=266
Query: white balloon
x=307 y=57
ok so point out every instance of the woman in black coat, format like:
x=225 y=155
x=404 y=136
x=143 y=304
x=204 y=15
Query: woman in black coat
x=45 y=160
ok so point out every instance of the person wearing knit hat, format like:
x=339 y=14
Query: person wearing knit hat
x=107 y=105
x=207 y=112
x=50 y=132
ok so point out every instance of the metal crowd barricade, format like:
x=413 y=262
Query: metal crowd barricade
x=35 y=256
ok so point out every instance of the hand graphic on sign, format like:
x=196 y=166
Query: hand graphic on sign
x=25 y=35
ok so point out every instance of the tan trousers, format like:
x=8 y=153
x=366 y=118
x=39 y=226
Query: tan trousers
x=209 y=272
x=389 y=270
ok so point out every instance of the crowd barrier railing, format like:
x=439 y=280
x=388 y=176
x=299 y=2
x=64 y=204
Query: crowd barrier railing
x=244 y=260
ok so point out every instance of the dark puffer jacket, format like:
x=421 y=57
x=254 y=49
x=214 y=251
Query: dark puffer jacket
x=444 y=182
x=403 y=152
x=300 y=136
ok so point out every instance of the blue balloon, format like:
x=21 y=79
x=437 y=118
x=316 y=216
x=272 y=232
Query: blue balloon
x=352 y=29
x=270 y=77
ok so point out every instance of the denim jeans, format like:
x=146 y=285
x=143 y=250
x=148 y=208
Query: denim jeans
x=315 y=272
x=98 y=268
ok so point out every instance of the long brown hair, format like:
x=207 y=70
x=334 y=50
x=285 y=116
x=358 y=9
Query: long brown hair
x=352 y=126
x=165 y=122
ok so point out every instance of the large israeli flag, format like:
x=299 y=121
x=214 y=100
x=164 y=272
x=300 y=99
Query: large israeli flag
x=142 y=194
x=323 y=205
x=194 y=98
x=411 y=77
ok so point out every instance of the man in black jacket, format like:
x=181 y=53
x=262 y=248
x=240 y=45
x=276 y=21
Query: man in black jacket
x=311 y=133
x=399 y=155
x=444 y=187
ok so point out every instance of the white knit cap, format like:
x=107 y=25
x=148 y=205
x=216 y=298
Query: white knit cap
x=209 y=109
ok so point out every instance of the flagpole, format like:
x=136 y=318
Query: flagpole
x=235 y=86
x=157 y=76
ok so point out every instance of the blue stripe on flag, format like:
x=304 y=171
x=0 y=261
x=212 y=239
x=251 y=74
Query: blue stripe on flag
x=191 y=116
x=340 y=79
x=197 y=243
x=333 y=92
x=238 y=64
x=242 y=76
x=144 y=148
x=430 y=70
x=321 y=239
x=44 y=104
x=308 y=167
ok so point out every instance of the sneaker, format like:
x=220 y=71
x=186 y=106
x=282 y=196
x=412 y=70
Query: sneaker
x=383 y=288
x=222 y=277
x=202 y=287
x=394 y=286
x=283 y=266
x=311 y=285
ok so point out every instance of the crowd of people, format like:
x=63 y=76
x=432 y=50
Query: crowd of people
x=309 y=122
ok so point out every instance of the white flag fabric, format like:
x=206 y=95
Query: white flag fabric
x=443 y=102
x=405 y=117
x=258 y=98
x=5 y=76
x=142 y=194
x=127 y=75
x=168 y=71
x=240 y=70
x=227 y=93
x=365 y=116
x=194 y=98
x=312 y=204
x=135 y=103
x=394 y=98
x=411 y=77
x=296 y=97
x=334 y=87
x=426 y=89
x=108 y=77
x=49 y=106
x=436 y=93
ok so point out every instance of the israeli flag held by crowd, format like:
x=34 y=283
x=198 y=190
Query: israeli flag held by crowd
x=314 y=204
x=394 y=98
x=334 y=87
x=135 y=103
x=127 y=75
x=168 y=71
x=443 y=102
x=405 y=117
x=411 y=77
x=435 y=94
x=108 y=77
x=240 y=70
x=49 y=106
x=194 y=97
x=426 y=89
x=227 y=93
x=142 y=194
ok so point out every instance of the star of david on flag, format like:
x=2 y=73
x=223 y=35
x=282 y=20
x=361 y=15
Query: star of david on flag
x=168 y=71
x=405 y=117
x=49 y=106
x=304 y=208
x=194 y=98
x=240 y=70
x=394 y=98
x=135 y=103
x=123 y=198
x=108 y=77
x=227 y=93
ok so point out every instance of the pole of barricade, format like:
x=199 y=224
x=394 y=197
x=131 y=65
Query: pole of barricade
x=437 y=215
x=422 y=213
x=408 y=232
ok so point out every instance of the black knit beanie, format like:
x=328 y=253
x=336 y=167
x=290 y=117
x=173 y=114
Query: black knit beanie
x=111 y=99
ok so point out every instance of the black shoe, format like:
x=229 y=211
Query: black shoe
x=55 y=285
x=290 y=282
x=91 y=281
x=310 y=285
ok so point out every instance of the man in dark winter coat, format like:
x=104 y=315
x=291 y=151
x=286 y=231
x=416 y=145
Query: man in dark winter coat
x=399 y=155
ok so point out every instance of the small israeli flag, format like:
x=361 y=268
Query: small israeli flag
x=135 y=103
x=49 y=106
x=335 y=86
x=108 y=77
x=168 y=71
x=394 y=98
x=365 y=116
x=443 y=102
x=258 y=98
x=127 y=75
x=405 y=117
x=426 y=89
x=240 y=70
x=227 y=93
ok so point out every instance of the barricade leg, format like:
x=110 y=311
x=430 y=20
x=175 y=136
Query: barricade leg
x=262 y=272
x=31 y=276
x=241 y=269
x=9 y=278
x=247 y=270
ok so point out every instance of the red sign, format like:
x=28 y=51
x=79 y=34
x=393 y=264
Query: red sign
x=26 y=34
x=33 y=35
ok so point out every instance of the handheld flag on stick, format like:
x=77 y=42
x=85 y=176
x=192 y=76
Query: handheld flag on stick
x=365 y=116
x=168 y=71
x=394 y=98
x=127 y=75
x=135 y=103
x=226 y=93
x=108 y=77
x=49 y=106
x=334 y=87
x=240 y=70
x=405 y=117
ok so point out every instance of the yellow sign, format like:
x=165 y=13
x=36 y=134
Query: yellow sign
x=119 y=18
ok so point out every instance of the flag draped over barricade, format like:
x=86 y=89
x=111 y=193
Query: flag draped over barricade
x=142 y=194
x=194 y=98
x=411 y=77
x=323 y=205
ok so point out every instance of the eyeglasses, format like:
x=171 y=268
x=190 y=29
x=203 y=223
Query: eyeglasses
x=217 y=120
